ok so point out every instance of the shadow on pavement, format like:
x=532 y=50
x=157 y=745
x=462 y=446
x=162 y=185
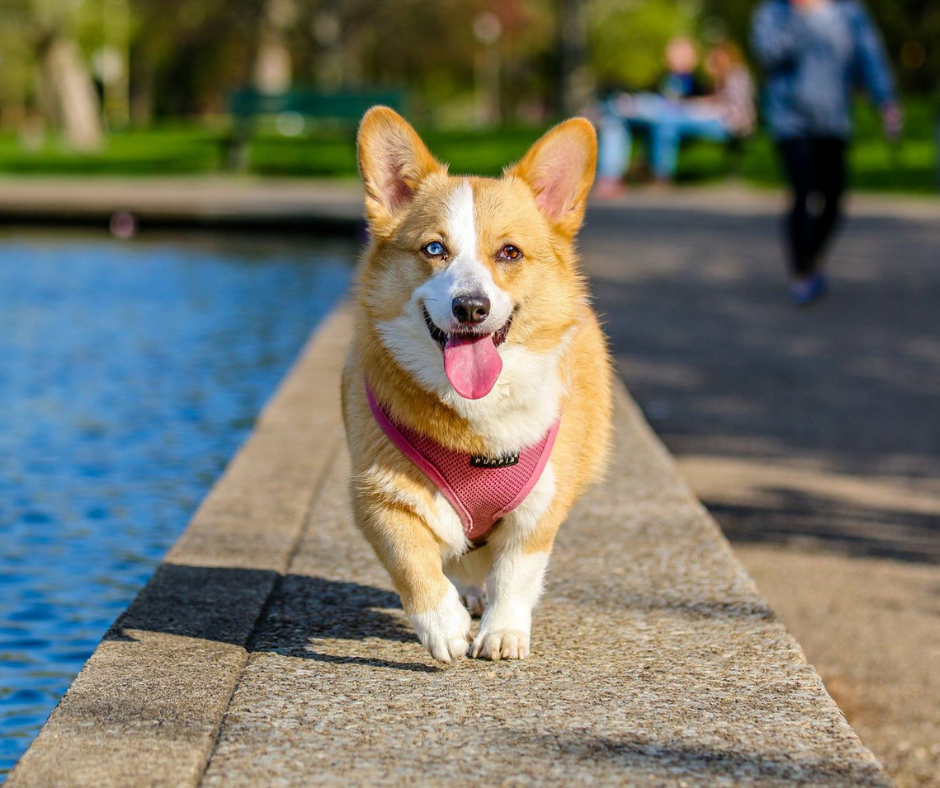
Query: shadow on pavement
x=853 y=530
x=221 y=604
x=724 y=366
x=307 y=615
x=318 y=619
x=681 y=758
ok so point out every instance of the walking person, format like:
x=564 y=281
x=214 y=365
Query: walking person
x=815 y=53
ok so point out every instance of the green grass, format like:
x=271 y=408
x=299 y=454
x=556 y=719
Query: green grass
x=876 y=165
x=170 y=150
x=181 y=149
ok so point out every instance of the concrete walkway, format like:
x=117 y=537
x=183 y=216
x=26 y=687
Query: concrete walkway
x=813 y=436
x=269 y=649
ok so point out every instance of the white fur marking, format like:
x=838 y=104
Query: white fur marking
x=524 y=519
x=461 y=223
x=519 y=410
x=465 y=275
x=513 y=587
x=515 y=581
x=448 y=525
x=444 y=631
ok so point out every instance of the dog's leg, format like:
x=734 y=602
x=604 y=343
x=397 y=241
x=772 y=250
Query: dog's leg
x=520 y=549
x=514 y=586
x=412 y=555
x=468 y=573
x=444 y=628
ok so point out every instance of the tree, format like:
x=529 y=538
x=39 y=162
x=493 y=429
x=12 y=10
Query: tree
x=574 y=79
x=70 y=92
x=186 y=55
x=66 y=92
x=627 y=39
x=273 y=61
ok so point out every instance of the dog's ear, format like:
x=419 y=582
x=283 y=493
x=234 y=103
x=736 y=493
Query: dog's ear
x=560 y=170
x=392 y=161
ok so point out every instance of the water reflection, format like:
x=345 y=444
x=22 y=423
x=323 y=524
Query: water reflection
x=129 y=374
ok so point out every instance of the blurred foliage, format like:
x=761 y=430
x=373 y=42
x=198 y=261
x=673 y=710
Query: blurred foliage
x=626 y=39
x=187 y=149
x=184 y=56
x=461 y=62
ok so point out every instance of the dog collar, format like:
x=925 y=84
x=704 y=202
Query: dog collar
x=482 y=489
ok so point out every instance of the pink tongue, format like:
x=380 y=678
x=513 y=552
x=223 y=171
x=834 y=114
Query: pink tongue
x=472 y=365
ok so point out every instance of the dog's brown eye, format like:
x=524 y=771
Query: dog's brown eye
x=435 y=249
x=510 y=252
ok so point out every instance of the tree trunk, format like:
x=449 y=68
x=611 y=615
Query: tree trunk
x=574 y=84
x=141 y=87
x=73 y=94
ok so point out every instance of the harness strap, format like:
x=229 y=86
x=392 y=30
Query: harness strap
x=482 y=491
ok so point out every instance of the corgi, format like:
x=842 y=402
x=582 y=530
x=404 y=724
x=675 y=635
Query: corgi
x=477 y=393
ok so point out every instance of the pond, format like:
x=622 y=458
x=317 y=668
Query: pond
x=130 y=372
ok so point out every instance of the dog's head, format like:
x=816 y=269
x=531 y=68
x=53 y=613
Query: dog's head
x=463 y=270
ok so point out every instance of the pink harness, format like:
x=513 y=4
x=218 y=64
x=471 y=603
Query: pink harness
x=481 y=489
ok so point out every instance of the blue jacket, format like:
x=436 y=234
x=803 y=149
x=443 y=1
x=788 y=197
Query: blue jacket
x=814 y=61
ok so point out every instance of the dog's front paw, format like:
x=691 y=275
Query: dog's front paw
x=445 y=631
x=501 y=644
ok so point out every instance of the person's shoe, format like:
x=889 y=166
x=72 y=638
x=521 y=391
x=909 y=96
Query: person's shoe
x=805 y=291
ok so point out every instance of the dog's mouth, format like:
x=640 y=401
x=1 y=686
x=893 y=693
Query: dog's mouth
x=471 y=362
x=441 y=337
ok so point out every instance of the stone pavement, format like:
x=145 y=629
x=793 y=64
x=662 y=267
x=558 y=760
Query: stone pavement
x=813 y=436
x=269 y=649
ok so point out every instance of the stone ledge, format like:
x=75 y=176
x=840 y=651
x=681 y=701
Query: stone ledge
x=269 y=649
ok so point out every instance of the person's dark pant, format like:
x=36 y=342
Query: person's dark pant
x=816 y=170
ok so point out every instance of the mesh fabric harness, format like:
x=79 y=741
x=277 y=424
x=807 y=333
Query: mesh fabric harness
x=481 y=495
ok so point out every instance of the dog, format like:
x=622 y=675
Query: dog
x=477 y=393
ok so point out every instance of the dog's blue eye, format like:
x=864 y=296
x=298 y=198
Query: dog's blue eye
x=435 y=249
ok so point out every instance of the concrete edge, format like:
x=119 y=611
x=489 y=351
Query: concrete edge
x=642 y=426
x=235 y=202
x=148 y=706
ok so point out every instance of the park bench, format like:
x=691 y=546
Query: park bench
x=292 y=111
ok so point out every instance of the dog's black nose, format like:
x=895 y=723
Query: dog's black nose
x=471 y=309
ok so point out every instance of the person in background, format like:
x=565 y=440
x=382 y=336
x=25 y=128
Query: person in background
x=815 y=53
x=680 y=82
x=682 y=109
x=734 y=98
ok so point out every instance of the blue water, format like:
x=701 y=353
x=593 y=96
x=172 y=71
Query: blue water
x=129 y=374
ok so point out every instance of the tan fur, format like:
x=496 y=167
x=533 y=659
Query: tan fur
x=406 y=195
